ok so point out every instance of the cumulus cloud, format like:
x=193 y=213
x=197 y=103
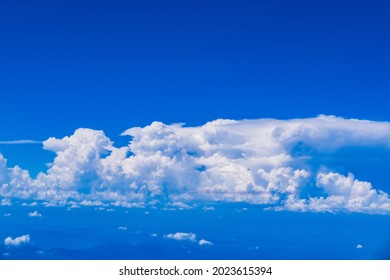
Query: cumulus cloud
x=5 y=202
x=187 y=236
x=32 y=204
x=182 y=236
x=174 y=166
x=206 y=208
x=205 y=242
x=359 y=246
x=346 y=192
x=18 y=241
x=342 y=193
x=122 y=228
x=34 y=214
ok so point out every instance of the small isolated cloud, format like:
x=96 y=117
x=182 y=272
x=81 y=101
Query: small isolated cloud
x=91 y=203
x=5 y=202
x=187 y=236
x=182 y=236
x=359 y=246
x=154 y=235
x=206 y=208
x=32 y=204
x=7 y=214
x=18 y=241
x=34 y=214
x=205 y=242
x=122 y=228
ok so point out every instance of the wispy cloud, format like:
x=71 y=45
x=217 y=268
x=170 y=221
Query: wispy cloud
x=19 y=142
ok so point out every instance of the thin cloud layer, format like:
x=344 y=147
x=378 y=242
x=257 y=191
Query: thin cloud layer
x=252 y=161
x=19 y=142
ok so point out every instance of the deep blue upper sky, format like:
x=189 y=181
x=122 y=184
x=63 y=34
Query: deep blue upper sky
x=115 y=64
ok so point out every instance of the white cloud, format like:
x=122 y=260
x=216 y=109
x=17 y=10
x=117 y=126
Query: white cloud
x=5 y=202
x=34 y=214
x=122 y=228
x=348 y=193
x=187 y=236
x=19 y=142
x=342 y=193
x=205 y=242
x=206 y=208
x=359 y=246
x=182 y=236
x=3 y=170
x=7 y=214
x=18 y=241
x=32 y=204
x=173 y=166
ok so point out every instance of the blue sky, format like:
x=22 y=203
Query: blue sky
x=307 y=74
x=115 y=65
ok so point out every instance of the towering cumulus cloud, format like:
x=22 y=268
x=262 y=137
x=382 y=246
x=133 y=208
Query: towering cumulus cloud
x=253 y=161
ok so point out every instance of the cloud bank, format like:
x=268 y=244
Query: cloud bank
x=261 y=161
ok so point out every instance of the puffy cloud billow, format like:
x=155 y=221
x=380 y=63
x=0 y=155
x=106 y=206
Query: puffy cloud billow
x=18 y=241
x=253 y=161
